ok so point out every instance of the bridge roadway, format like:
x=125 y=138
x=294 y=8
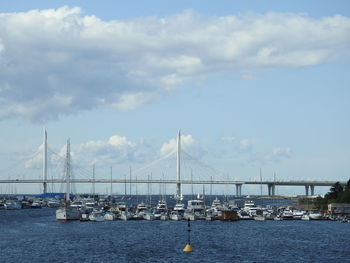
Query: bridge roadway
x=270 y=184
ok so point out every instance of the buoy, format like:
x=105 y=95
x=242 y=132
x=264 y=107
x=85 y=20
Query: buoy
x=188 y=247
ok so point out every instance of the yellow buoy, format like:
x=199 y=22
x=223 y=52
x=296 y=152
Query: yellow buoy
x=188 y=248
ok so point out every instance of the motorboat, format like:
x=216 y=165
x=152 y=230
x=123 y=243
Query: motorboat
x=297 y=214
x=53 y=203
x=96 y=216
x=149 y=216
x=12 y=205
x=180 y=208
x=244 y=215
x=259 y=218
x=110 y=216
x=287 y=215
x=315 y=215
x=216 y=204
x=175 y=215
x=67 y=213
x=125 y=216
x=305 y=217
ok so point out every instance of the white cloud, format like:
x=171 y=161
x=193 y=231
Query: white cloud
x=245 y=145
x=279 y=154
x=188 y=144
x=58 y=61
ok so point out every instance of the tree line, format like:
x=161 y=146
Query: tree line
x=337 y=194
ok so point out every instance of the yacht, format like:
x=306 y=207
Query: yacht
x=161 y=209
x=195 y=210
x=180 y=208
x=250 y=208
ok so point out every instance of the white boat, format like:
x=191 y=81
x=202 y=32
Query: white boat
x=259 y=218
x=315 y=215
x=287 y=215
x=180 y=207
x=197 y=207
x=36 y=204
x=12 y=205
x=278 y=218
x=96 y=216
x=297 y=214
x=67 y=212
x=305 y=217
x=149 y=216
x=109 y=216
x=54 y=203
x=125 y=216
x=175 y=215
x=250 y=208
x=164 y=217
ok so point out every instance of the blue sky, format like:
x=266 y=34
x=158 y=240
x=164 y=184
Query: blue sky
x=252 y=84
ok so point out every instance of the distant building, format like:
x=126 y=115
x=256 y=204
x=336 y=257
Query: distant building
x=339 y=209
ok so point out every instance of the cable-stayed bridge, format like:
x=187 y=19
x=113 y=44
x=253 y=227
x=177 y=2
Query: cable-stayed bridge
x=176 y=168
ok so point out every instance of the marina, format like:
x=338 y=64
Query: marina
x=34 y=235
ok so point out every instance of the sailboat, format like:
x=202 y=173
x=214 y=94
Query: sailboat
x=66 y=212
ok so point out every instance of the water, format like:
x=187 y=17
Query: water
x=35 y=236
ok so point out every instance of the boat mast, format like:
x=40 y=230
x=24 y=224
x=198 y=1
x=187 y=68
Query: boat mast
x=93 y=180
x=260 y=183
x=111 y=181
x=45 y=163
x=68 y=172
x=178 y=184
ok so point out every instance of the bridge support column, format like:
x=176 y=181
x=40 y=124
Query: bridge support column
x=271 y=189
x=312 y=188
x=307 y=190
x=238 y=189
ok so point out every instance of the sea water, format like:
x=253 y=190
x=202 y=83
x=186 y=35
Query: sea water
x=33 y=235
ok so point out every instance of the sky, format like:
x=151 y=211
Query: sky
x=251 y=84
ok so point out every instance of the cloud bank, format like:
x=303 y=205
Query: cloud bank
x=59 y=61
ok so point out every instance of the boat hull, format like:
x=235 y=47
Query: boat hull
x=67 y=214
